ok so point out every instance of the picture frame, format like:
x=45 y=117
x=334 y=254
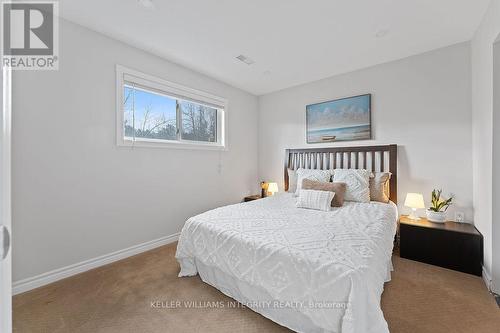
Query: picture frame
x=343 y=119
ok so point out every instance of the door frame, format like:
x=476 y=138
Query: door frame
x=495 y=227
x=5 y=200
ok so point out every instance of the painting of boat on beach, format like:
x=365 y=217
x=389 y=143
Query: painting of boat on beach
x=343 y=119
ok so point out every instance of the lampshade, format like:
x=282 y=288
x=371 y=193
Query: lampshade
x=414 y=200
x=272 y=187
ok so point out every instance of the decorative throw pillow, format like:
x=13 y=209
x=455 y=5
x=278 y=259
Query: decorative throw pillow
x=313 y=174
x=379 y=187
x=357 y=181
x=311 y=199
x=337 y=188
x=292 y=181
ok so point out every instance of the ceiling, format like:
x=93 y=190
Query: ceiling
x=291 y=41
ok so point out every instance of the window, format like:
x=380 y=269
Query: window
x=156 y=113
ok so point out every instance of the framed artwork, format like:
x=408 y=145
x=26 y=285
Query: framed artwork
x=345 y=119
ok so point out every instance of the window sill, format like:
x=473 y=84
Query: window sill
x=171 y=145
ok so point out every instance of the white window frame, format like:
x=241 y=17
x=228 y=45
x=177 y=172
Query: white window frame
x=174 y=90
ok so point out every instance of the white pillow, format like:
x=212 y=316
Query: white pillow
x=312 y=174
x=357 y=181
x=312 y=199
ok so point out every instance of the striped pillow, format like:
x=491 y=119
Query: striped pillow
x=312 y=199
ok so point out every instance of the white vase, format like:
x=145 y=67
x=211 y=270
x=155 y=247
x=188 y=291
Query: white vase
x=439 y=217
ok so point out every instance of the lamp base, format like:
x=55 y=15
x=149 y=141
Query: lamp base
x=413 y=215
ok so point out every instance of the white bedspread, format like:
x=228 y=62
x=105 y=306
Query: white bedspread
x=329 y=266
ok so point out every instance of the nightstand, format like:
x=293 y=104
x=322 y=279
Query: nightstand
x=252 y=197
x=457 y=246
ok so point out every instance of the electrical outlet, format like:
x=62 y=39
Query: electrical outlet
x=459 y=217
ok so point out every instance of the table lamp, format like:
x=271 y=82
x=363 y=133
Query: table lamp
x=272 y=188
x=414 y=201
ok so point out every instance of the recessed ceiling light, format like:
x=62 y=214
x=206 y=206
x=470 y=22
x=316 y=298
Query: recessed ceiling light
x=381 y=33
x=245 y=59
x=146 y=3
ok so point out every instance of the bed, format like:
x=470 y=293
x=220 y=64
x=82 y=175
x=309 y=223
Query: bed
x=308 y=270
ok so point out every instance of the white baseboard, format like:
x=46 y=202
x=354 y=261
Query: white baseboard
x=64 y=272
x=487 y=279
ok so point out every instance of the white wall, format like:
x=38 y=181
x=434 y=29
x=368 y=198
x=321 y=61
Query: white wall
x=482 y=128
x=421 y=103
x=76 y=194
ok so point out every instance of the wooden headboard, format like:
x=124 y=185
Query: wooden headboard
x=373 y=158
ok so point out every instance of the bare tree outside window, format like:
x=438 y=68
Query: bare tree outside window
x=149 y=115
x=199 y=122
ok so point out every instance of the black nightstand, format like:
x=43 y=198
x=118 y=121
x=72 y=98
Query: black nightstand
x=252 y=197
x=457 y=246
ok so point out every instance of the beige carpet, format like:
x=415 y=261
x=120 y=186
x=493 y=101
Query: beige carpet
x=117 y=298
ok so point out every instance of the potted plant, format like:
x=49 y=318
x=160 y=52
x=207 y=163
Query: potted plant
x=439 y=206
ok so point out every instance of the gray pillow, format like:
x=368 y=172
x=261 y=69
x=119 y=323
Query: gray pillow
x=292 y=180
x=379 y=187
